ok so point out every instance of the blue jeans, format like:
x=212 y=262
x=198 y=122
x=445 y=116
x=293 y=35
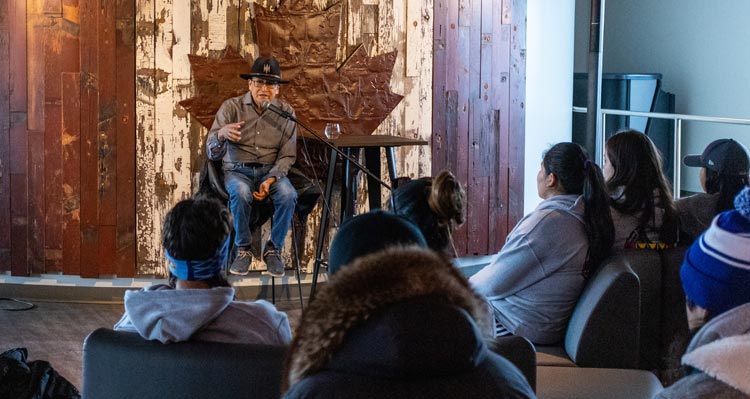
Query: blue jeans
x=240 y=182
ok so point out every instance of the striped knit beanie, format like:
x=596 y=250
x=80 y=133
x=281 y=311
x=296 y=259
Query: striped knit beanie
x=716 y=270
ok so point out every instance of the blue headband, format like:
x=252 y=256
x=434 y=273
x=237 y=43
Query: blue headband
x=198 y=269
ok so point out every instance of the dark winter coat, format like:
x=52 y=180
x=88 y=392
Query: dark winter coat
x=399 y=323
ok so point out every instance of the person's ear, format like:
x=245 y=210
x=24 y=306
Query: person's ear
x=551 y=180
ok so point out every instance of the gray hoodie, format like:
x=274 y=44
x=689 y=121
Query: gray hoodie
x=535 y=281
x=719 y=359
x=168 y=315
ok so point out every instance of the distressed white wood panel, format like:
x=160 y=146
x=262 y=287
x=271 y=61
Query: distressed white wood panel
x=163 y=109
x=414 y=33
x=202 y=41
x=417 y=161
x=172 y=180
x=412 y=118
x=145 y=143
x=390 y=37
x=217 y=24
x=248 y=49
x=181 y=36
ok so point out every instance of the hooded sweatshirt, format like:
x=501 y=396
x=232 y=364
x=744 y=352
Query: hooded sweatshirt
x=535 y=281
x=718 y=359
x=169 y=315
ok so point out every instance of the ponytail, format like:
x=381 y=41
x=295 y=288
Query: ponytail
x=578 y=175
x=600 y=229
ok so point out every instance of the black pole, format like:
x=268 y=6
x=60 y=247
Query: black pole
x=593 y=77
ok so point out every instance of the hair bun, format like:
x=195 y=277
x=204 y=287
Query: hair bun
x=742 y=202
x=448 y=199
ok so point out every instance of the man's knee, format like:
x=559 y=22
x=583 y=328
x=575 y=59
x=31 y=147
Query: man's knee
x=238 y=189
x=284 y=192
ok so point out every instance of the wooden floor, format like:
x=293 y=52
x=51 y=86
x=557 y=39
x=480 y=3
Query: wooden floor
x=54 y=331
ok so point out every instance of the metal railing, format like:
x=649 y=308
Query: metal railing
x=677 y=130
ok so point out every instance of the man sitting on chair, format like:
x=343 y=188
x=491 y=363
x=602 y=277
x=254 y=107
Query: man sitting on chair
x=257 y=149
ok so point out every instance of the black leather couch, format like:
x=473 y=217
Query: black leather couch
x=123 y=365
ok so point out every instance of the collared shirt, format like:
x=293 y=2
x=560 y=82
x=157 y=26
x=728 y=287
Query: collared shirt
x=267 y=138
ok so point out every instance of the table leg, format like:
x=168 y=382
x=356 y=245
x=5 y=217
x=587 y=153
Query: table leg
x=372 y=162
x=391 y=158
x=323 y=230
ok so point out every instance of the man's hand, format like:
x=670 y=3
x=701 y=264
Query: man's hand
x=263 y=190
x=231 y=131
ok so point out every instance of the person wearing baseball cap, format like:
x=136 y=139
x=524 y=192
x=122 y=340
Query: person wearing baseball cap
x=724 y=172
x=257 y=147
x=716 y=278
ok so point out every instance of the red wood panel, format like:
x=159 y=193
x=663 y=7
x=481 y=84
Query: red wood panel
x=71 y=179
x=461 y=60
x=36 y=28
x=517 y=111
x=106 y=81
x=36 y=201
x=125 y=88
x=19 y=244
x=5 y=220
x=35 y=129
x=498 y=207
x=18 y=67
x=107 y=250
x=53 y=171
x=439 y=92
x=501 y=103
x=88 y=37
x=477 y=215
x=475 y=61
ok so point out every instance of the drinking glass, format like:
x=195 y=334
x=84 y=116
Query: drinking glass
x=333 y=130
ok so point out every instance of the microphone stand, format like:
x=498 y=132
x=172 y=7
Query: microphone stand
x=270 y=107
x=266 y=105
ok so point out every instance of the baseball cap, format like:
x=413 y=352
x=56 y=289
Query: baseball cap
x=723 y=156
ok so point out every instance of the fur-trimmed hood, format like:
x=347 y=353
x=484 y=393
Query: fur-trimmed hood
x=369 y=285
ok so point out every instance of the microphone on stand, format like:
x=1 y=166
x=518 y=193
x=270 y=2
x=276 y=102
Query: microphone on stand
x=266 y=105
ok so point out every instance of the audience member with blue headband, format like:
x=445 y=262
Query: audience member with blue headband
x=198 y=303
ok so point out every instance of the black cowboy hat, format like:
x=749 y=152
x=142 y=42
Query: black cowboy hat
x=266 y=68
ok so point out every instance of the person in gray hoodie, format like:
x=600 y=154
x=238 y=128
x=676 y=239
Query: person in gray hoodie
x=534 y=282
x=198 y=303
x=716 y=278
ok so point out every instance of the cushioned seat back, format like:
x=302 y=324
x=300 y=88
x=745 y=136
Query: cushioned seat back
x=603 y=330
x=673 y=325
x=519 y=351
x=124 y=365
x=647 y=266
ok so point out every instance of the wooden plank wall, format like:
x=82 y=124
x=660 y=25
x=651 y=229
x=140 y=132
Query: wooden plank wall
x=94 y=149
x=67 y=137
x=478 y=120
x=168 y=140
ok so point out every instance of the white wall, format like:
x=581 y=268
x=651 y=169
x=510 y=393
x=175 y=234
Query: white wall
x=549 y=84
x=703 y=51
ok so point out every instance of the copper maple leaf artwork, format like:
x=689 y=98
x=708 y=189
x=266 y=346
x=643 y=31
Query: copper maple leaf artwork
x=216 y=80
x=304 y=39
